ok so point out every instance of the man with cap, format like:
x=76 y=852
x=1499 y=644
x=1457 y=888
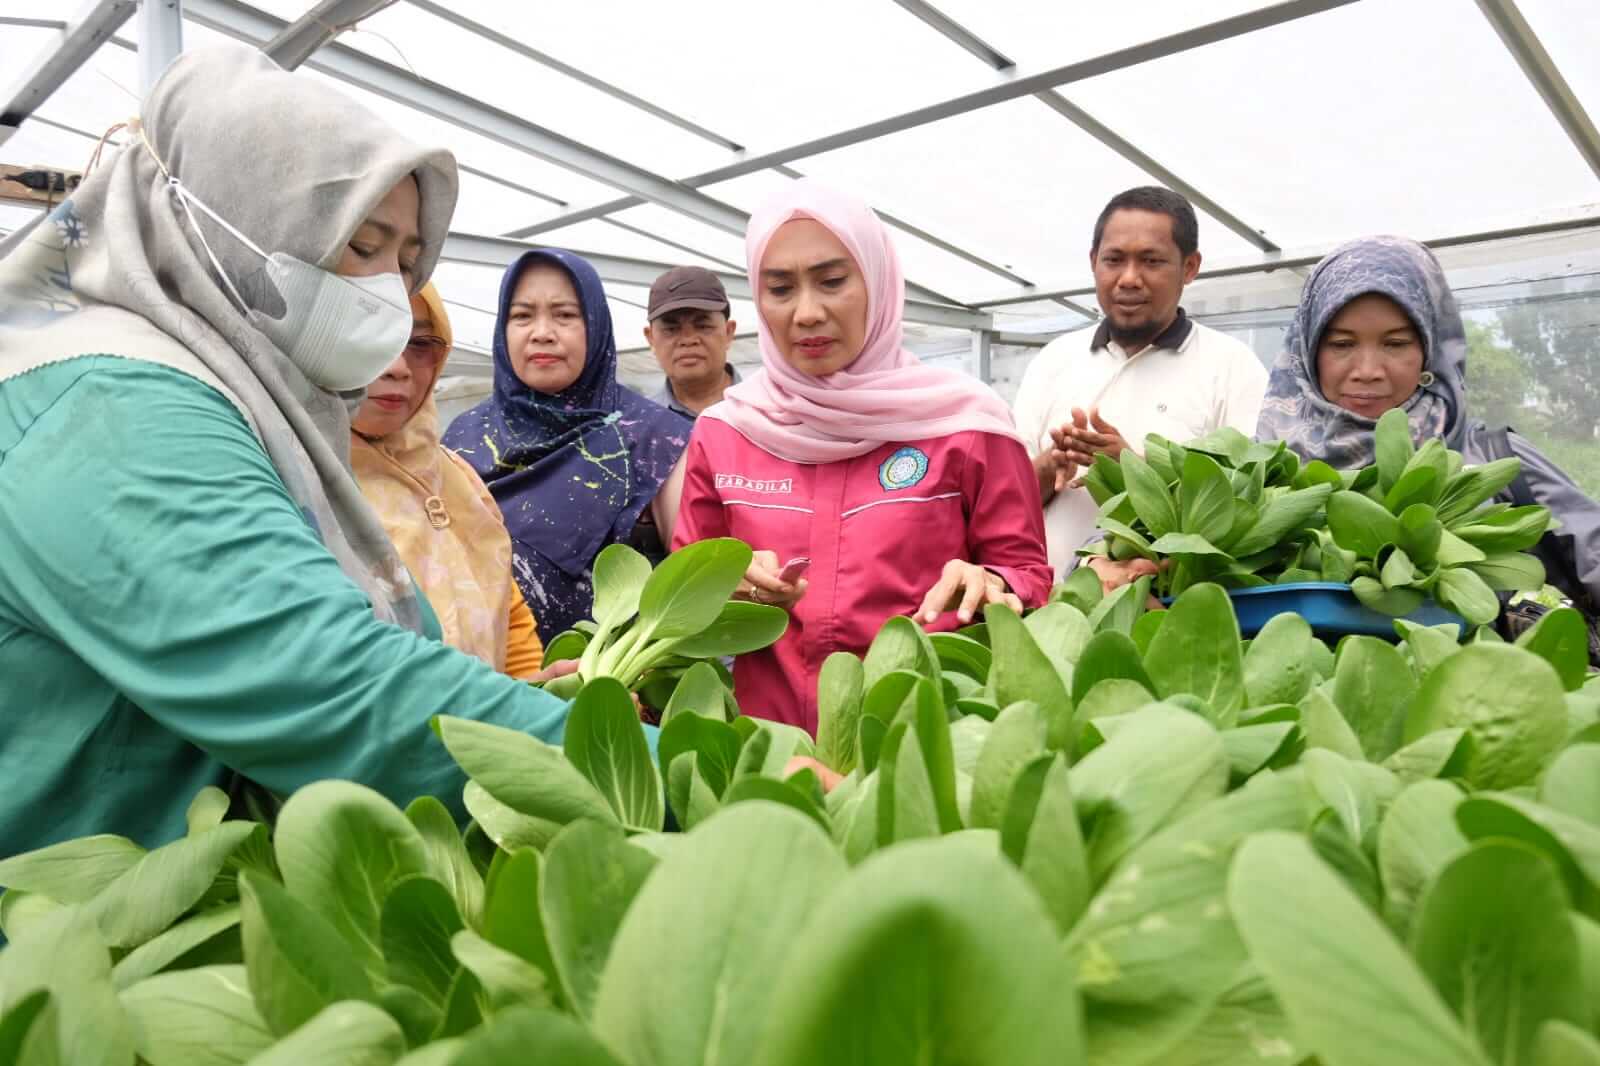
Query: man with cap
x=1145 y=368
x=690 y=333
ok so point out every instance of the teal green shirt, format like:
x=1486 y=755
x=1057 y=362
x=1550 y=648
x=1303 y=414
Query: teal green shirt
x=167 y=614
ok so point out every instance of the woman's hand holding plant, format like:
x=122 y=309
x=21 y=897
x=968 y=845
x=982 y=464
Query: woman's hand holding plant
x=963 y=588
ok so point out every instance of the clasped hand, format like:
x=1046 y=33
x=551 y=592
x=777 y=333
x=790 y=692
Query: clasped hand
x=1085 y=437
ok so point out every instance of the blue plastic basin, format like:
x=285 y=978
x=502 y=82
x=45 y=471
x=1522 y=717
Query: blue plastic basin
x=1331 y=609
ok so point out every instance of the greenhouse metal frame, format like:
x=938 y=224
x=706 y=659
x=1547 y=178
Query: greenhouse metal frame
x=1001 y=303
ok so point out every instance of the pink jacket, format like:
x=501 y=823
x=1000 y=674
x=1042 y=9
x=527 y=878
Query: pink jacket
x=878 y=530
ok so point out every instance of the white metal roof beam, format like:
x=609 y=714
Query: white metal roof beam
x=244 y=22
x=1016 y=88
x=295 y=43
x=32 y=23
x=998 y=61
x=64 y=128
x=509 y=184
x=640 y=231
x=1133 y=154
x=617 y=223
x=617 y=93
x=484 y=174
x=1026 y=85
x=646 y=106
x=577 y=74
x=1542 y=71
x=1023 y=340
x=160 y=40
x=500 y=252
x=959 y=35
x=1295 y=263
x=92 y=26
x=899 y=222
x=634 y=201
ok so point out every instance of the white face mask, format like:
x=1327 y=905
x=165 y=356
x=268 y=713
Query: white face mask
x=341 y=332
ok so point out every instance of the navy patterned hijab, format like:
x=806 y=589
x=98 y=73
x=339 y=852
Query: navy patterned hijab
x=572 y=472
x=1295 y=410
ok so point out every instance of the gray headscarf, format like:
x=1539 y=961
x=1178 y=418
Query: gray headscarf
x=1295 y=409
x=296 y=167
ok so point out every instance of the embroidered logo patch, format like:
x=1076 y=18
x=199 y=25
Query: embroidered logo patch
x=903 y=469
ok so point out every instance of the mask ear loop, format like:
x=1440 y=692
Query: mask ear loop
x=100 y=145
x=183 y=201
x=136 y=125
x=185 y=198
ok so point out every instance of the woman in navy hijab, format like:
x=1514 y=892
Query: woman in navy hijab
x=575 y=460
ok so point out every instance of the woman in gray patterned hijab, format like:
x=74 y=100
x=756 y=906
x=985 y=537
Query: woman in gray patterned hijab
x=1296 y=408
x=1326 y=409
x=309 y=167
x=193 y=589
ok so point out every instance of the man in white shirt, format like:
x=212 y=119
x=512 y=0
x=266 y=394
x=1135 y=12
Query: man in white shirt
x=1146 y=368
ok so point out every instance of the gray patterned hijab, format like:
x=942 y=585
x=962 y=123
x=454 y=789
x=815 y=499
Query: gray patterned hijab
x=1295 y=410
x=296 y=167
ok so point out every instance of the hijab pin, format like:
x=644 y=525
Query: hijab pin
x=1426 y=378
x=437 y=515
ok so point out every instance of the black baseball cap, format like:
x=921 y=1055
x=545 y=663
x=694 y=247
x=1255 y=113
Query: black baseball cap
x=687 y=286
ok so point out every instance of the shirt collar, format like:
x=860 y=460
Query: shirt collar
x=669 y=399
x=1171 y=338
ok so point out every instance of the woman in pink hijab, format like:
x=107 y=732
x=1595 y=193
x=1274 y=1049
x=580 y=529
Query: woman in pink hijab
x=895 y=488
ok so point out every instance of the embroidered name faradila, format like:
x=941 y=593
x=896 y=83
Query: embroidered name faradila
x=739 y=481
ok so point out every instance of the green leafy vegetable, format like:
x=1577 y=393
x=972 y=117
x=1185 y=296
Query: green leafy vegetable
x=1107 y=840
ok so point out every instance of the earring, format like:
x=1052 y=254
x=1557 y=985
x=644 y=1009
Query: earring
x=1426 y=378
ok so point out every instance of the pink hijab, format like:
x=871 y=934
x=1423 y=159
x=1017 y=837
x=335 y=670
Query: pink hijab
x=887 y=395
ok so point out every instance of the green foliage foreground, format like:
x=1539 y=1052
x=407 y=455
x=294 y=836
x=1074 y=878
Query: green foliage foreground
x=1116 y=838
x=1415 y=525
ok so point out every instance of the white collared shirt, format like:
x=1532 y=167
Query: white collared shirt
x=1207 y=381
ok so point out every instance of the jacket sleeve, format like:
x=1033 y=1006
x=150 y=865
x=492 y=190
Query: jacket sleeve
x=524 y=652
x=1578 y=514
x=1005 y=525
x=148 y=532
x=700 y=512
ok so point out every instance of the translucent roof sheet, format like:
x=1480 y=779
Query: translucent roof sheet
x=1409 y=116
x=1037 y=183
x=97 y=95
x=844 y=62
x=1420 y=122
x=1036 y=35
x=1570 y=32
x=432 y=47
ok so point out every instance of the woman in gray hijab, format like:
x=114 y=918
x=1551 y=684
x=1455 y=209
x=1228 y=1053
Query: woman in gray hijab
x=1378 y=328
x=193 y=590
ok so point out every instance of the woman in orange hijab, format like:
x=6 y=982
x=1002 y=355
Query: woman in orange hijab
x=446 y=526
